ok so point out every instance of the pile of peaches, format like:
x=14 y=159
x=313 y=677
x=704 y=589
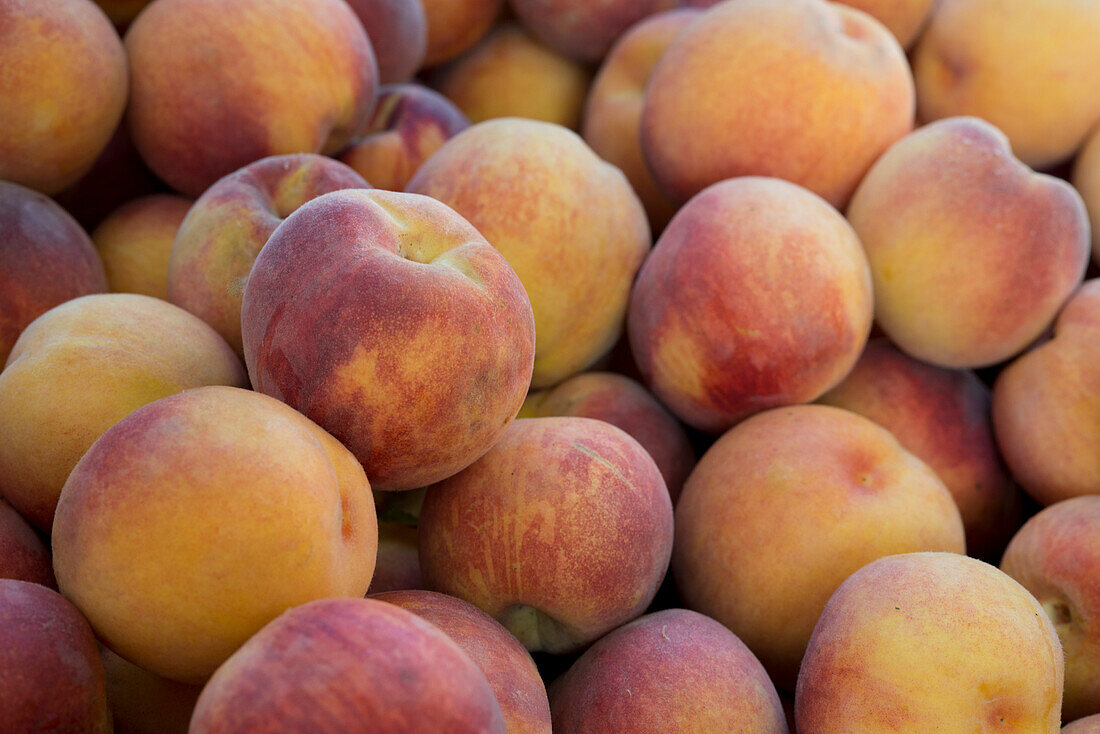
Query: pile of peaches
x=618 y=367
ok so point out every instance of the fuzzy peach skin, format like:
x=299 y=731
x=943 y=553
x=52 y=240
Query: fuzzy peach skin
x=410 y=122
x=1087 y=725
x=756 y=295
x=1046 y=406
x=510 y=74
x=135 y=242
x=349 y=665
x=1056 y=556
x=623 y=403
x=225 y=230
x=585 y=30
x=1086 y=179
x=23 y=555
x=568 y=222
x=562 y=532
x=784 y=507
x=398 y=32
x=145 y=703
x=804 y=90
x=668 y=672
x=212 y=91
x=46 y=258
x=943 y=417
x=63 y=90
x=972 y=253
x=51 y=678
x=428 y=335
x=456 y=25
x=1030 y=67
x=613 y=110
x=507 y=665
x=877 y=658
x=79 y=369
x=176 y=588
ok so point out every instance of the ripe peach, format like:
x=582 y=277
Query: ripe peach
x=398 y=32
x=135 y=242
x=213 y=91
x=456 y=25
x=64 y=89
x=568 y=223
x=581 y=29
x=1086 y=178
x=804 y=90
x=23 y=555
x=972 y=253
x=756 y=295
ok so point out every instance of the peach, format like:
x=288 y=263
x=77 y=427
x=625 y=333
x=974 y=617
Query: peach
x=409 y=123
x=680 y=671
x=972 y=253
x=804 y=90
x=877 y=656
x=1087 y=725
x=581 y=29
x=905 y=18
x=623 y=403
x=145 y=703
x=79 y=369
x=1046 y=406
x=294 y=522
x=568 y=223
x=1029 y=67
x=23 y=555
x=429 y=336
x=510 y=74
x=1056 y=556
x=135 y=242
x=64 y=89
x=345 y=665
x=456 y=25
x=943 y=417
x=45 y=259
x=756 y=295
x=212 y=91
x=1086 y=178
x=51 y=678
x=225 y=230
x=398 y=32
x=561 y=532
x=613 y=110
x=787 y=505
x=507 y=665
x=397 y=567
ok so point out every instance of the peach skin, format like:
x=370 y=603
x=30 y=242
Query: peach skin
x=456 y=25
x=585 y=30
x=1086 y=178
x=135 y=242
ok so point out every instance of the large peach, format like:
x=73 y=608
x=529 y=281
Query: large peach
x=972 y=253
x=804 y=90
x=581 y=29
x=1086 y=178
x=877 y=658
x=428 y=335
x=398 y=32
x=787 y=505
x=507 y=665
x=561 y=532
x=1056 y=556
x=349 y=665
x=212 y=91
x=624 y=403
x=63 y=90
x=1046 y=406
x=456 y=25
x=510 y=74
x=681 y=672
x=568 y=223
x=23 y=555
x=135 y=242
x=756 y=295
x=199 y=518
x=410 y=123
x=45 y=259
x=1030 y=67
x=225 y=230
x=613 y=110
x=943 y=417
x=79 y=369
